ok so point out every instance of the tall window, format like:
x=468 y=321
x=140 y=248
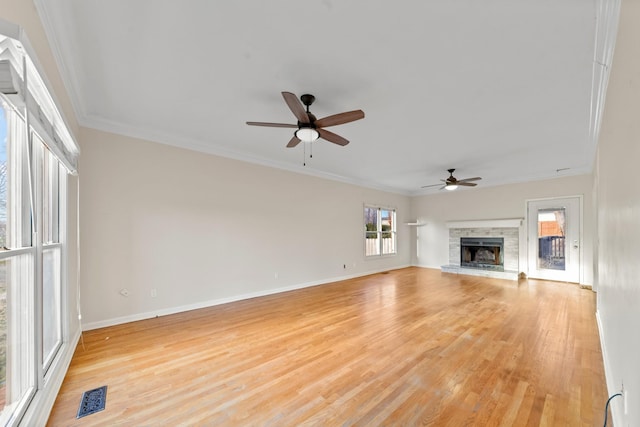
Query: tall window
x=379 y=231
x=36 y=151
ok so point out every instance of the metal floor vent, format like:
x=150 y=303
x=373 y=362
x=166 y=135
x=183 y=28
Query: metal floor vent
x=92 y=401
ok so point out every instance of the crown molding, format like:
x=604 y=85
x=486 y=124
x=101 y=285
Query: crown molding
x=193 y=144
x=607 y=18
x=69 y=77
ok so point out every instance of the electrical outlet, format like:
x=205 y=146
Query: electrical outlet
x=154 y=293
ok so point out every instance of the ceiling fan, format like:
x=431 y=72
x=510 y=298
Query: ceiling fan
x=452 y=183
x=308 y=127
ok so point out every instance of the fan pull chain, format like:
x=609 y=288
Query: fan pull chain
x=304 y=154
x=311 y=150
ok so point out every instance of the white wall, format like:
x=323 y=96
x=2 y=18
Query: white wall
x=618 y=201
x=202 y=229
x=501 y=202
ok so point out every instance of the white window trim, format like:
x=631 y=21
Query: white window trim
x=379 y=231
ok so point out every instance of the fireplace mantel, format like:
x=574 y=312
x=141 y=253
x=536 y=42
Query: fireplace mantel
x=487 y=223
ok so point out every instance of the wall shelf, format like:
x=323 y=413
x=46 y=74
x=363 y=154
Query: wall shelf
x=487 y=223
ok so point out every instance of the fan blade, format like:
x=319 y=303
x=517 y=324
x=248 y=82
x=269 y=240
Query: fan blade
x=338 y=119
x=332 y=137
x=477 y=178
x=294 y=141
x=435 y=185
x=466 y=184
x=273 y=125
x=296 y=107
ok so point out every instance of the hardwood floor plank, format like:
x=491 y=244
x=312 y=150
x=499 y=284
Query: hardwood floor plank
x=410 y=347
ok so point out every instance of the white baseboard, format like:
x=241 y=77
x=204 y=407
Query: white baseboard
x=608 y=375
x=204 y=304
x=435 y=267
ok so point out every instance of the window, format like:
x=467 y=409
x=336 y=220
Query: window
x=35 y=157
x=379 y=230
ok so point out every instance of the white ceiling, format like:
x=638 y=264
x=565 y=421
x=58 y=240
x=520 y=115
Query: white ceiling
x=499 y=89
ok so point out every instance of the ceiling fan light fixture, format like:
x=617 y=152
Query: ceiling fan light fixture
x=450 y=187
x=307 y=134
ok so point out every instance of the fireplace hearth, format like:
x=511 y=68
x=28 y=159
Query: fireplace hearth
x=486 y=253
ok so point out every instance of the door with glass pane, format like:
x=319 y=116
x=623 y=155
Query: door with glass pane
x=554 y=239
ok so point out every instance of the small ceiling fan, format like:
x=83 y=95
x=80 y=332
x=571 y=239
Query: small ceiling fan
x=452 y=183
x=308 y=127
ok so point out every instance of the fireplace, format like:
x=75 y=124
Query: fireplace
x=485 y=253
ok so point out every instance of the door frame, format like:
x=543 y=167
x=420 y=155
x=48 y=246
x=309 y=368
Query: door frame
x=580 y=233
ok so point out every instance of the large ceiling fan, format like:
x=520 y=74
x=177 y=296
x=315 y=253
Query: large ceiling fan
x=452 y=183
x=308 y=127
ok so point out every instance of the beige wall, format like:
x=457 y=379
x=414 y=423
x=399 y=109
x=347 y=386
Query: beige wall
x=618 y=202
x=501 y=202
x=201 y=229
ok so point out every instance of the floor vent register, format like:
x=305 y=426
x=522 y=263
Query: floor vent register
x=92 y=401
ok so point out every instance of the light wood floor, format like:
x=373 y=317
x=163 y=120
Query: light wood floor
x=410 y=347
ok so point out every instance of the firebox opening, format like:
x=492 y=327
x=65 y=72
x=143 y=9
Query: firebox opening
x=482 y=252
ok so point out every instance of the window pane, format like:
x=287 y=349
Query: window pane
x=3 y=333
x=387 y=225
x=50 y=173
x=371 y=219
x=551 y=240
x=51 y=310
x=3 y=177
x=46 y=196
x=18 y=382
x=18 y=197
x=372 y=243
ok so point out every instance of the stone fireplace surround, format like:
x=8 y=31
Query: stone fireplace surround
x=508 y=229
